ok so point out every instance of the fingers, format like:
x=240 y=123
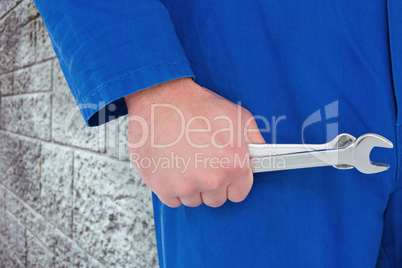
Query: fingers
x=239 y=189
x=172 y=202
x=234 y=183
x=188 y=201
x=191 y=201
x=236 y=192
x=215 y=198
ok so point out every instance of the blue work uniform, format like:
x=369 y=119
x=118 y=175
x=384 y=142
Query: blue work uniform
x=311 y=68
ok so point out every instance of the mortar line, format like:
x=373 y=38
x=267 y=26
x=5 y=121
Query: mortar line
x=22 y=223
x=26 y=93
x=21 y=135
x=39 y=240
x=46 y=60
x=72 y=196
x=51 y=100
x=24 y=234
x=28 y=66
x=9 y=11
x=26 y=245
x=51 y=224
x=30 y=20
x=75 y=148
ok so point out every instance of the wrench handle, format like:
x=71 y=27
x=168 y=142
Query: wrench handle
x=301 y=160
x=266 y=150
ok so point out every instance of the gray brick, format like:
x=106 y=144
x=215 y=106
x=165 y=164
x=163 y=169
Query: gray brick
x=14 y=204
x=39 y=226
x=68 y=126
x=117 y=131
x=9 y=262
x=25 y=53
x=2 y=223
x=6 y=6
x=32 y=221
x=37 y=78
x=44 y=48
x=17 y=38
x=19 y=166
x=26 y=11
x=113 y=217
x=3 y=190
x=2 y=213
x=3 y=257
x=56 y=186
x=8 y=155
x=27 y=115
x=6 y=84
x=69 y=254
x=5 y=260
x=9 y=40
x=37 y=254
x=15 y=238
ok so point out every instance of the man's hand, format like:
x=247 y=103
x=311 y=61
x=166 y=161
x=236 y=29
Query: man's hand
x=189 y=145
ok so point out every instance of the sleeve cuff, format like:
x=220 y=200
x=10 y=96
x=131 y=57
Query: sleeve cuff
x=108 y=50
x=106 y=102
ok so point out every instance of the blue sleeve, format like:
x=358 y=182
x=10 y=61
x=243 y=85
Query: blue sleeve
x=109 y=49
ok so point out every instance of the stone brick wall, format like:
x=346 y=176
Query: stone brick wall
x=69 y=197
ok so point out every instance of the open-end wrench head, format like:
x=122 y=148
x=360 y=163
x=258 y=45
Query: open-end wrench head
x=340 y=141
x=362 y=149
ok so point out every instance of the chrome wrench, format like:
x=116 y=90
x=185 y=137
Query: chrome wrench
x=356 y=154
x=265 y=150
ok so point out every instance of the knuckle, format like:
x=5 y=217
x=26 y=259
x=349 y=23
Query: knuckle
x=161 y=190
x=165 y=193
x=211 y=183
x=238 y=168
x=236 y=163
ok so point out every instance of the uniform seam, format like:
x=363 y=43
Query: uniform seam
x=396 y=190
x=398 y=156
x=398 y=125
x=382 y=248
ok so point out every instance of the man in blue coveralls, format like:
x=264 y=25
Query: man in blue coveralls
x=174 y=65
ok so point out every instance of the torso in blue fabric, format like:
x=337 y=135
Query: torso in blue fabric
x=310 y=70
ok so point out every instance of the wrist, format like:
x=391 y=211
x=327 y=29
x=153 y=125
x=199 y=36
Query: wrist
x=164 y=92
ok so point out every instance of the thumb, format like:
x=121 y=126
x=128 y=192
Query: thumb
x=253 y=136
x=253 y=133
